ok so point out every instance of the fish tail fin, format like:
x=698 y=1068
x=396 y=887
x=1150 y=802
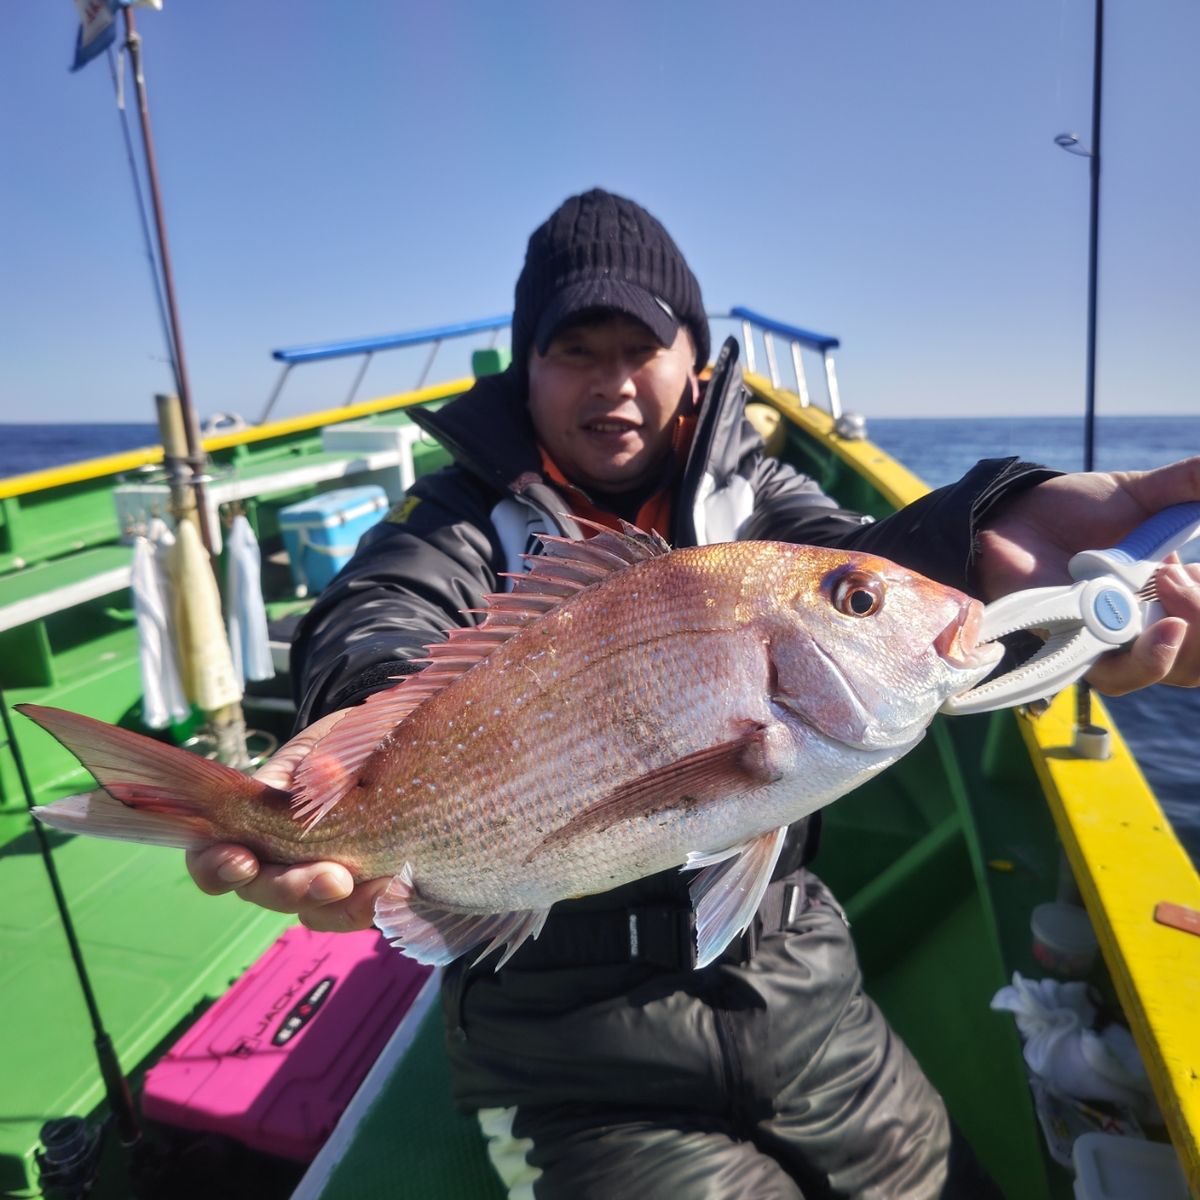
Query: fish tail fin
x=99 y=815
x=151 y=791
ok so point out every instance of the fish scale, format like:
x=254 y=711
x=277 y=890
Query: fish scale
x=622 y=710
x=620 y=738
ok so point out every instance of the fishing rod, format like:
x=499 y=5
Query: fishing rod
x=133 y=43
x=227 y=721
x=1089 y=445
x=116 y=1088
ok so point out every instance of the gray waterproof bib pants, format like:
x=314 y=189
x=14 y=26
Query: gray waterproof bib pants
x=770 y=1079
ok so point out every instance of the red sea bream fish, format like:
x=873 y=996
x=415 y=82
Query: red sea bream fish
x=622 y=710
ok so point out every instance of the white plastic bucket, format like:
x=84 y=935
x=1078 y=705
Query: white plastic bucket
x=1124 y=1168
x=1063 y=939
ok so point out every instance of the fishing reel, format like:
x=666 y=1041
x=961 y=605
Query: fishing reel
x=70 y=1157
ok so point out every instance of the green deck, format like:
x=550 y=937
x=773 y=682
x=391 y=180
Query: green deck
x=156 y=951
x=938 y=931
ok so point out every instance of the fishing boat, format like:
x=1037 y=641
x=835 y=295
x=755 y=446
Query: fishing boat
x=940 y=862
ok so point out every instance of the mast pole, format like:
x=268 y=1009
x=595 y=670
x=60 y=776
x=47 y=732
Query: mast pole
x=133 y=43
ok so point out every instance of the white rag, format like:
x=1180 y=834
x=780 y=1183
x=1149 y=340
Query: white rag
x=245 y=612
x=1055 y=1022
x=163 y=700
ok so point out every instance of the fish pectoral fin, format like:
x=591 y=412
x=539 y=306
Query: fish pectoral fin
x=714 y=773
x=727 y=892
x=437 y=936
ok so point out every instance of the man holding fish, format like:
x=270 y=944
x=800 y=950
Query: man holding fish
x=631 y=1048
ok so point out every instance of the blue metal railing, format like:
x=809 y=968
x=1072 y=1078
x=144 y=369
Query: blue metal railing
x=368 y=347
x=754 y=326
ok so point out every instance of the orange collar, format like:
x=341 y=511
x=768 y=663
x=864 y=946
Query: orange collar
x=654 y=515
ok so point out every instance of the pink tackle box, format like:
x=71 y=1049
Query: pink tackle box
x=275 y=1061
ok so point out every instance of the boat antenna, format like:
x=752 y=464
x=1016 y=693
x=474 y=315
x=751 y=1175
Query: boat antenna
x=120 y=1103
x=133 y=43
x=1087 y=734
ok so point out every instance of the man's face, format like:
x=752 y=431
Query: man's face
x=604 y=397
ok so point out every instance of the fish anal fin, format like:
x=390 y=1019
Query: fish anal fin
x=726 y=893
x=713 y=773
x=436 y=936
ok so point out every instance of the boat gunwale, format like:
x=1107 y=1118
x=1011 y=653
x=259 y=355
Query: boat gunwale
x=1120 y=887
x=130 y=460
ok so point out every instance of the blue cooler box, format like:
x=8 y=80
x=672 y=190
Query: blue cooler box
x=320 y=534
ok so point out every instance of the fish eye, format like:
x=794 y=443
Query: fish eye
x=858 y=594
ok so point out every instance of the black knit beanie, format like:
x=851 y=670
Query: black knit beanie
x=599 y=251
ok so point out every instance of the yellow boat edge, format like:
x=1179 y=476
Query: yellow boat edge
x=132 y=460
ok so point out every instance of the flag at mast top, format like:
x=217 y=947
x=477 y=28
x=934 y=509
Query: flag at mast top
x=98 y=26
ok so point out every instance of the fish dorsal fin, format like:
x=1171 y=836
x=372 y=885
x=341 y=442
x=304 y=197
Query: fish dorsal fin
x=327 y=768
x=563 y=569
x=565 y=565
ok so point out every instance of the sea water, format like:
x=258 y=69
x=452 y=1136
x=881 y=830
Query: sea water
x=1159 y=723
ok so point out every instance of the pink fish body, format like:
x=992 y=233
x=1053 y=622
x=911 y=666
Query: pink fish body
x=623 y=710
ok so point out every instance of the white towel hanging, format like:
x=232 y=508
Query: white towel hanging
x=163 y=700
x=245 y=612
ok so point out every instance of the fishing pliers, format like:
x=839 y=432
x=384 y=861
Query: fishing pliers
x=1113 y=600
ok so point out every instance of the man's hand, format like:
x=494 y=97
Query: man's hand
x=1029 y=540
x=323 y=894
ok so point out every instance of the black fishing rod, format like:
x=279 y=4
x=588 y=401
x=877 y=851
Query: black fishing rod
x=1070 y=143
x=116 y=1088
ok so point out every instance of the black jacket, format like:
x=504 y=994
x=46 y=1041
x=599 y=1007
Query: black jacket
x=442 y=548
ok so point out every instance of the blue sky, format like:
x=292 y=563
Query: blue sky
x=884 y=172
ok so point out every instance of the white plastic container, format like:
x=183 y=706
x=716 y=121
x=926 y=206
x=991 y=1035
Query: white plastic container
x=1108 y=1167
x=367 y=439
x=1063 y=939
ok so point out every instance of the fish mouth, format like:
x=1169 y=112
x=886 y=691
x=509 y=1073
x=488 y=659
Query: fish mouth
x=959 y=645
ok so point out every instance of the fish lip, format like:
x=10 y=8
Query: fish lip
x=958 y=644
